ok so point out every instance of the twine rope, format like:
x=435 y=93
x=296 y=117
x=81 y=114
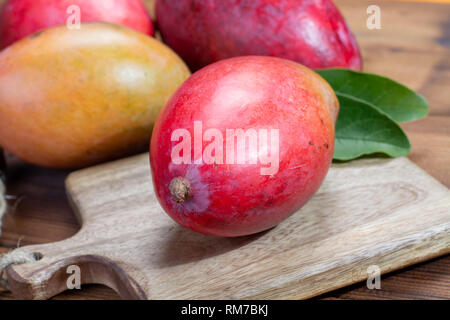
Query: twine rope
x=3 y=205
x=12 y=258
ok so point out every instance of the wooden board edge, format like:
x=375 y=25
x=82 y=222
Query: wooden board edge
x=428 y=254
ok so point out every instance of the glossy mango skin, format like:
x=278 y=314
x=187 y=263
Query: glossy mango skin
x=73 y=98
x=21 y=18
x=310 y=32
x=248 y=93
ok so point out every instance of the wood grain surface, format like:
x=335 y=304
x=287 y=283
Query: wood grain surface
x=413 y=47
x=364 y=214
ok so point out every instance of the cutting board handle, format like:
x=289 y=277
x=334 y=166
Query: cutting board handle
x=58 y=268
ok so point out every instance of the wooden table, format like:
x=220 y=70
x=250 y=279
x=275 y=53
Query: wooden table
x=413 y=47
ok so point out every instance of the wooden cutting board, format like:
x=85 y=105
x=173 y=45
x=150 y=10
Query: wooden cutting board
x=383 y=212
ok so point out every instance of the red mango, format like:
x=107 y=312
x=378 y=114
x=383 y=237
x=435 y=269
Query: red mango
x=21 y=18
x=311 y=32
x=243 y=144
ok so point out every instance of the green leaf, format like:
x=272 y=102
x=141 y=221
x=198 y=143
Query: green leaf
x=362 y=129
x=394 y=99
